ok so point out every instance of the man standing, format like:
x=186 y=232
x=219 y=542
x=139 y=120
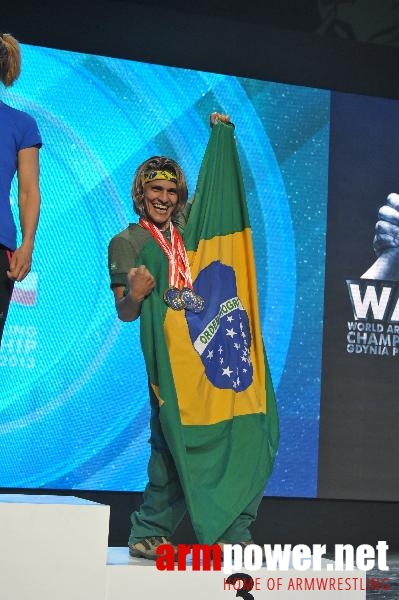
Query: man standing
x=188 y=271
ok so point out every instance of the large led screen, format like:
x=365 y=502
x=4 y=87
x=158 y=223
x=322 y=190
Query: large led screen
x=73 y=389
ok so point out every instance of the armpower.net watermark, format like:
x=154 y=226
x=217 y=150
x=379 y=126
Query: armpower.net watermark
x=344 y=571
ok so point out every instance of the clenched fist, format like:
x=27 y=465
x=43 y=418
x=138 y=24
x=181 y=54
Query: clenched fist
x=387 y=227
x=215 y=116
x=386 y=242
x=140 y=283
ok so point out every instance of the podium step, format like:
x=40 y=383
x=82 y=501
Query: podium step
x=52 y=548
x=55 y=548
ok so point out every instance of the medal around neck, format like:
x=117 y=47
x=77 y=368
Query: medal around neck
x=179 y=270
x=172 y=298
x=191 y=300
x=185 y=298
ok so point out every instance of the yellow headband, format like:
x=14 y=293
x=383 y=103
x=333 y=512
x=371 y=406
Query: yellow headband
x=166 y=175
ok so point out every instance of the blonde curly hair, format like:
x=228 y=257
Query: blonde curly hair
x=158 y=163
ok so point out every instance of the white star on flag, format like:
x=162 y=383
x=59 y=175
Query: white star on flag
x=230 y=332
x=227 y=371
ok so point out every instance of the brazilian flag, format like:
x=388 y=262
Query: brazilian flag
x=209 y=370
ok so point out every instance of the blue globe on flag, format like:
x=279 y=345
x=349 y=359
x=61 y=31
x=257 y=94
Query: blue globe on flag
x=220 y=333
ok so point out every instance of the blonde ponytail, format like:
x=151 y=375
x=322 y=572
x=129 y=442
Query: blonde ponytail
x=10 y=59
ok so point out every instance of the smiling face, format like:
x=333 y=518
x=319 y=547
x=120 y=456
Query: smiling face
x=159 y=190
x=160 y=200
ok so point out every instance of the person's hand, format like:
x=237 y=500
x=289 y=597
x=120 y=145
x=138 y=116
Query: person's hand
x=387 y=227
x=220 y=117
x=20 y=263
x=140 y=282
x=386 y=242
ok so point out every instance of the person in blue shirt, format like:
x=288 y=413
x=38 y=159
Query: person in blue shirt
x=19 y=153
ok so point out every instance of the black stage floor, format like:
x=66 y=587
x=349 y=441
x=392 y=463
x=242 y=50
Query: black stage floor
x=393 y=576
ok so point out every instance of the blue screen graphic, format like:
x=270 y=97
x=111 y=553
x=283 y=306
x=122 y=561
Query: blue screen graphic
x=73 y=401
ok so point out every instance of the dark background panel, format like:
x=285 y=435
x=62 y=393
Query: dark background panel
x=265 y=40
x=359 y=409
x=283 y=41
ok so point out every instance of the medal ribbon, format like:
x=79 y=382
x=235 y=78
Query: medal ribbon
x=179 y=268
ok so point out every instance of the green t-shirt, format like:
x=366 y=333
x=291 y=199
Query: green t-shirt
x=124 y=249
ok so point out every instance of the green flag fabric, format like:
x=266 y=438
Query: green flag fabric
x=209 y=370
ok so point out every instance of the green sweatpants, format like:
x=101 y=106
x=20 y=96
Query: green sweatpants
x=164 y=506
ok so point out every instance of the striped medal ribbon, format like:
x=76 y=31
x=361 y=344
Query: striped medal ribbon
x=180 y=293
